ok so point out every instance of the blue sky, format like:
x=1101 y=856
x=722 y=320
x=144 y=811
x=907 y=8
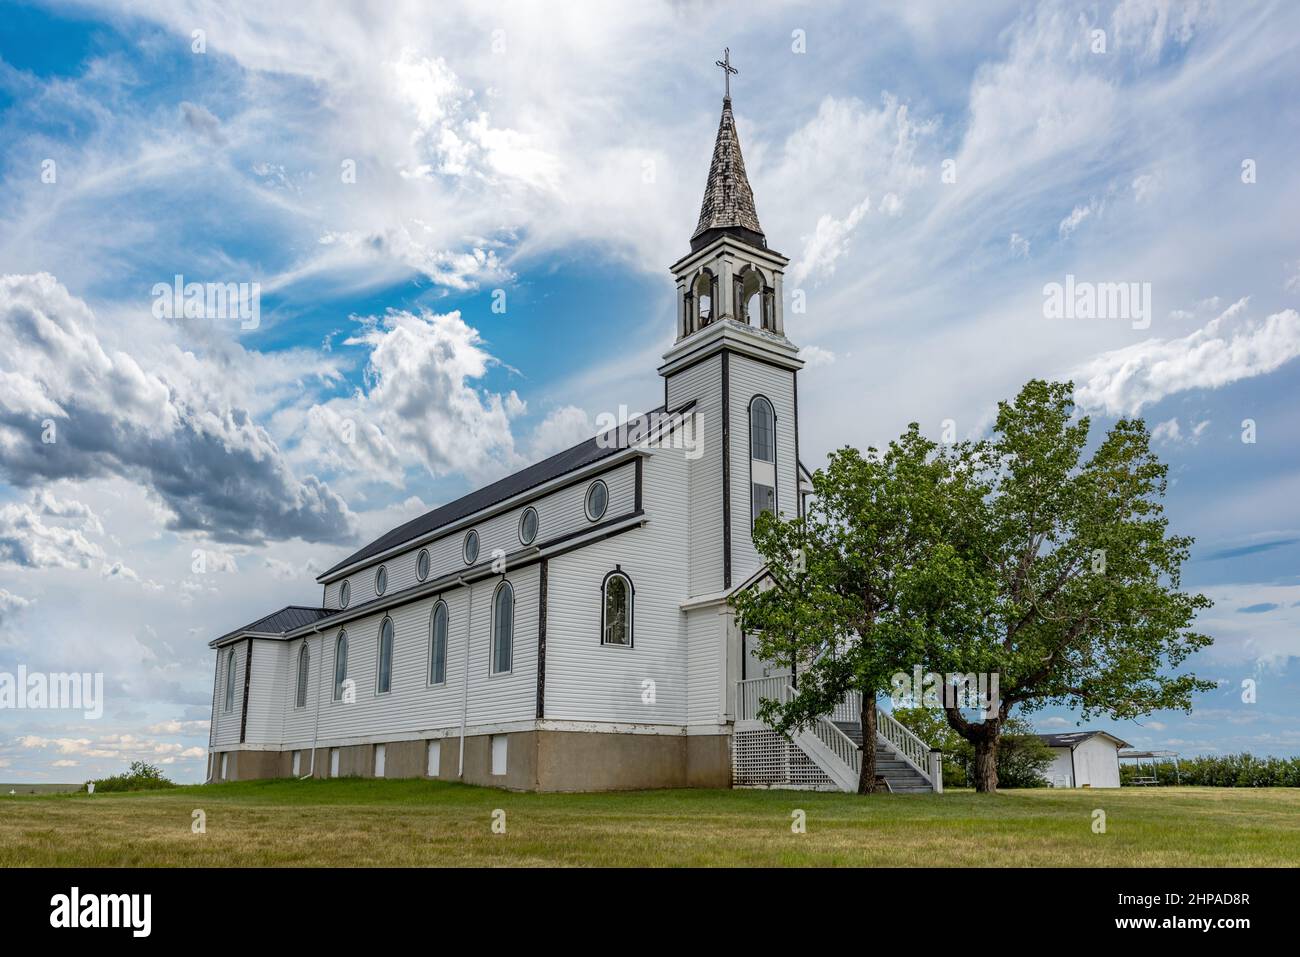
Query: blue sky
x=556 y=158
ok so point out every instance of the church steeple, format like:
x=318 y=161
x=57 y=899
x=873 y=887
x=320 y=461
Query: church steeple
x=728 y=205
x=730 y=275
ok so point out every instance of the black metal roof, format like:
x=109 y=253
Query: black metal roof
x=286 y=619
x=1070 y=739
x=592 y=450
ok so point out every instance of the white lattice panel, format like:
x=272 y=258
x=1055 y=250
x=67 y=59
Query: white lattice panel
x=766 y=759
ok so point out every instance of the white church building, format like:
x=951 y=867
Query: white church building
x=568 y=627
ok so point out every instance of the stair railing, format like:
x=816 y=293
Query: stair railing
x=751 y=692
x=911 y=748
x=915 y=751
x=836 y=741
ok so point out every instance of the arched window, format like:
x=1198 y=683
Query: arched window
x=381 y=580
x=384 y=678
x=345 y=593
x=230 y=680
x=616 y=610
x=340 y=664
x=762 y=457
x=597 y=500
x=304 y=664
x=438 y=644
x=762 y=430
x=503 y=628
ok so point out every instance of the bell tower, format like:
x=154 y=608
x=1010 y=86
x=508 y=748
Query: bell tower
x=732 y=363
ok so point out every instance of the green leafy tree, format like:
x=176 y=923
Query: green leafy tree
x=1079 y=578
x=858 y=583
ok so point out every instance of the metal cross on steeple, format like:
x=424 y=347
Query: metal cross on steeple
x=727 y=68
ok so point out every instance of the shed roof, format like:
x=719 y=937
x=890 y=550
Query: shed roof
x=1072 y=739
x=286 y=619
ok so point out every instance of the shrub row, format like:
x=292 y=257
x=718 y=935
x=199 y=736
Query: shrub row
x=1225 y=771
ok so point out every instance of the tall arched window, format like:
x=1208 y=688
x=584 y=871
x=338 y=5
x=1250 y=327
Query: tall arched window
x=438 y=644
x=304 y=664
x=384 y=671
x=230 y=680
x=762 y=457
x=616 y=610
x=340 y=664
x=503 y=628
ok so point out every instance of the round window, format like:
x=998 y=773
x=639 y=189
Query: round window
x=471 y=547
x=345 y=593
x=422 y=564
x=597 y=500
x=381 y=580
x=528 y=526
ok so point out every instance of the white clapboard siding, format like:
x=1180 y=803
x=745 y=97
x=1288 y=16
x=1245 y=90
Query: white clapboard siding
x=298 y=722
x=265 y=716
x=644 y=684
x=703 y=383
x=747 y=379
x=558 y=513
x=413 y=704
x=705 y=635
x=227 y=722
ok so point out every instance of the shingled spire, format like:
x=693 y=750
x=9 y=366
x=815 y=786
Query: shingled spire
x=728 y=205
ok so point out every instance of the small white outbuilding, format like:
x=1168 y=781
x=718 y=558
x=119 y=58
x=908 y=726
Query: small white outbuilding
x=1083 y=759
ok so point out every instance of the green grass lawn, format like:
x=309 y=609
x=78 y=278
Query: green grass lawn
x=362 y=822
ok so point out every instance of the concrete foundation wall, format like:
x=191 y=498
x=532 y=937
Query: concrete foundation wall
x=535 y=761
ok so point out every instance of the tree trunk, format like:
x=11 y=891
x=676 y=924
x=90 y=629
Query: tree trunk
x=986 y=763
x=867 y=772
x=983 y=736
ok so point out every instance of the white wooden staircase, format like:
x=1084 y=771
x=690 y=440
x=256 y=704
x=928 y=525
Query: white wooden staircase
x=827 y=755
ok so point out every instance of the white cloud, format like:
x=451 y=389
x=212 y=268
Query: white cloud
x=33 y=533
x=1292 y=283
x=1167 y=431
x=422 y=405
x=202 y=121
x=1019 y=246
x=562 y=428
x=119 y=571
x=1072 y=222
x=828 y=242
x=10 y=603
x=1265 y=638
x=1124 y=381
x=1145 y=186
x=125 y=747
x=192 y=728
x=161 y=416
x=816 y=356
